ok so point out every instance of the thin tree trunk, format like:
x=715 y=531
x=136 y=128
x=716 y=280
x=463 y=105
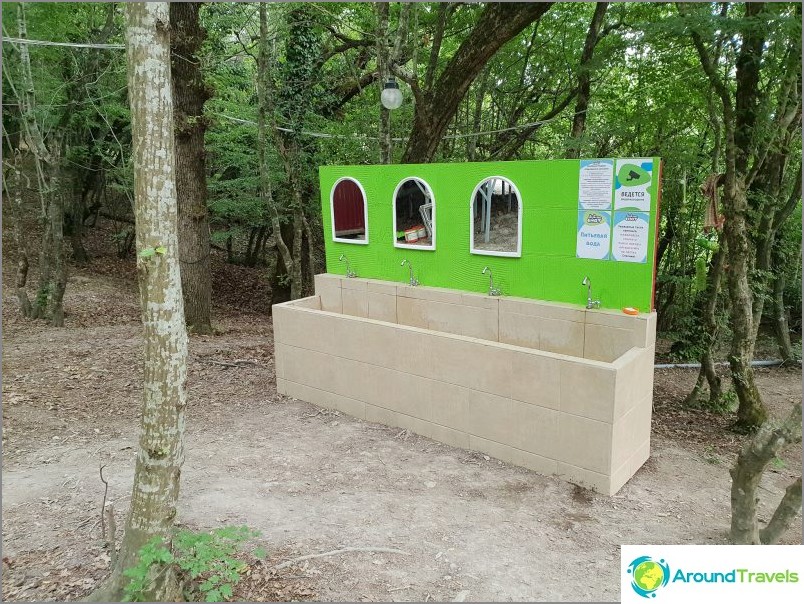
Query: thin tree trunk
x=296 y=284
x=189 y=95
x=311 y=267
x=767 y=264
x=585 y=80
x=161 y=444
x=780 y=324
x=435 y=49
x=76 y=231
x=747 y=473
x=382 y=77
x=752 y=411
x=710 y=328
x=248 y=259
x=45 y=265
x=263 y=95
x=59 y=280
x=783 y=517
x=739 y=119
x=471 y=142
x=50 y=293
x=15 y=212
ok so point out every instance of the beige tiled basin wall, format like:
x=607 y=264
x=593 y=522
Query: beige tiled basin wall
x=554 y=388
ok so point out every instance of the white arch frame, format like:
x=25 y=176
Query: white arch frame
x=520 y=204
x=332 y=211
x=410 y=246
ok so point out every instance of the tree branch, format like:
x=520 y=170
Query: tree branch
x=785 y=513
x=708 y=66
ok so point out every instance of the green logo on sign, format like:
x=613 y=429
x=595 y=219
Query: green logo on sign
x=631 y=175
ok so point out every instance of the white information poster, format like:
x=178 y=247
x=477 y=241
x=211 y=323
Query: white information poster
x=632 y=184
x=594 y=235
x=595 y=184
x=630 y=238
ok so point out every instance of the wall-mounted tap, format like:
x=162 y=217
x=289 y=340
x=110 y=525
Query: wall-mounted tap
x=349 y=272
x=413 y=281
x=589 y=302
x=493 y=291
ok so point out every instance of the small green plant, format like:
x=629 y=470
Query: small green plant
x=778 y=463
x=205 y=561
x=42 y=295
x=150 y=251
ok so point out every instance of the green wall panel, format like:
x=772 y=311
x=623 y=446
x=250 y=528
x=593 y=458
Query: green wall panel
x=548 y=268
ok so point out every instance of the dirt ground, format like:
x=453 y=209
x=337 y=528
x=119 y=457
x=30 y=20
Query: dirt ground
x=312 y=481
x=504 y=232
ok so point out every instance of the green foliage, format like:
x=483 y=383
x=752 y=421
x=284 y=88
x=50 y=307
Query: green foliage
x=43 y=294
x=148 y=252
x=700 y=274
x=205 y=561
x=778 y=463
x=152 y=560
x=649 y=96
x=726 y=404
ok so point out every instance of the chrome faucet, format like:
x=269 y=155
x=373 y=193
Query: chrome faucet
x=349 y=272
x=493 y=291
x=589 y=302
x=413 y=281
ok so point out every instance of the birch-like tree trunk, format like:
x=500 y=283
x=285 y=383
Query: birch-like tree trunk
x=161 y=445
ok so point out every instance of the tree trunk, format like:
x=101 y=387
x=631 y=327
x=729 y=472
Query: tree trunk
x=382 y=76
x=709 y=328
x=58 y=282
x=50 y=293
x=498 y=23
x=161 y=444
x=752 y=411
x=471 y=142
x=15 y=212
x=189 y=95
x=76 y=230
x=263 y=96
x=785 y=513
x=780 y=325
x=310 y=265
x=747 y=473
x=739 y=119
x=585 y=80
x=45 y=264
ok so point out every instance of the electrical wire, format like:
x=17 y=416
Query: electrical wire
x=69 y=44
x=364 y=137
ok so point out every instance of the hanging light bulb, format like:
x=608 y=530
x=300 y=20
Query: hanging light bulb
x=391 y=97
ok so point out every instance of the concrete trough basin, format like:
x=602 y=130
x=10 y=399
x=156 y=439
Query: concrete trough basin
x=551 y=387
